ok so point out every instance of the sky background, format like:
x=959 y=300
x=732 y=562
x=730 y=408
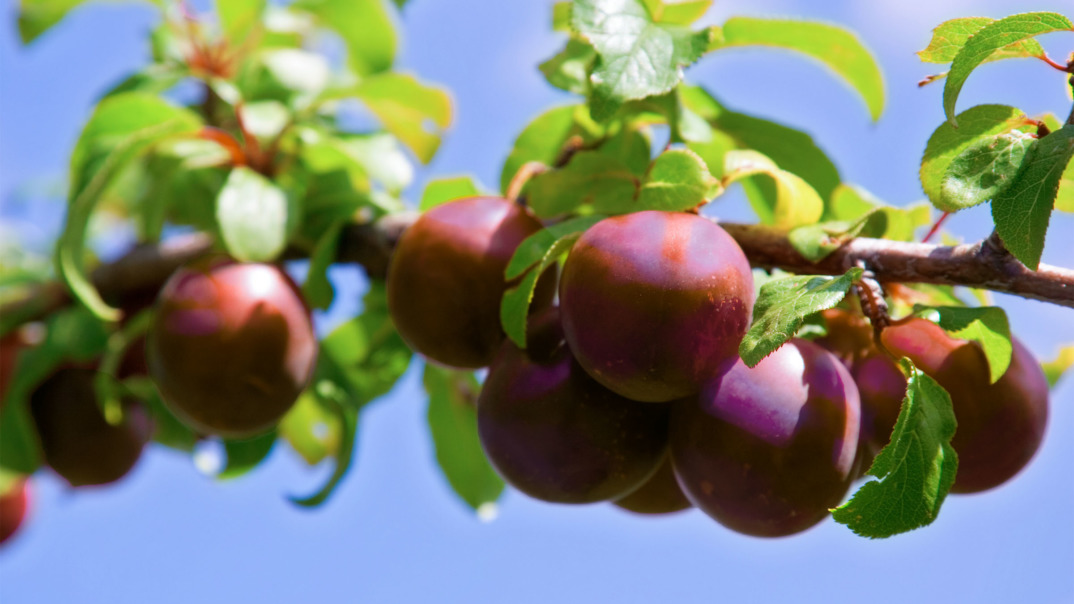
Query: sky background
x=394 y=532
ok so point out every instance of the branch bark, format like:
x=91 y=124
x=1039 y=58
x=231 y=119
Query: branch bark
x=985 y=264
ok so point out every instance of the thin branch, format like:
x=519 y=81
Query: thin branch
x=985 y=264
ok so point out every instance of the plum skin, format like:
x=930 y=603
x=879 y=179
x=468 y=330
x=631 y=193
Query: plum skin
x=768 y=451
x=13 y=507
x=231 y=346
x=680 y=278
x=557 y=435
x=446 y=279
x=660 y=494
x=76 y=440
x=1000 y=426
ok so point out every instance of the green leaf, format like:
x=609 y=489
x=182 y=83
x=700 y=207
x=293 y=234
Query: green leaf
x=240 y=18
x=796 y=202
x=515 y=304
x=792 y=150
x=365 y=27
x=638 y=58
x=255 y=216
x=835 y=47
x=347 y=418
x=542 y=140
x=119 y=130
x=948 y=142
x=782 y=306
x=154 y=79
x=987 y=40
x=1064 y=198
x=443 y=190
x=950 y=36
x=686 y=125
x=536 y=246
x=569 y=68
x=1022 y=212
x=245 y=455
x=317 y=290
x=452 y=416
x=816 y=241
x=415 y=112
x=561 y=16
x=591 y=179
x=167 y=429
x=678 y=12
x=916 y=470
x=984 y=169
x=1054 y=369
x=986 y=325
x=850 y=202
x=38 y=16
x=311 y=428
x=677 y=180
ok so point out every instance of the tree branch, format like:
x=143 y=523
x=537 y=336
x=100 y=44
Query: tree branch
x=985 y=264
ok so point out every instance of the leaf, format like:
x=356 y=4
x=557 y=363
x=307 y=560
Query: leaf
x=782 y=306
x=347 y=418
x=591 y=179
x=950 y=36
x=835 y=47
x=515 y=304
x=311 y=428
x=121 y=127
x=415 y=112
x=638 y=58
x=947 y=142
x=1057 y=367
x=365 y=27
x=985 y=41
x=984 y=169
x=569 y=68
x=38 y=16
x=561 y=16
x=816 y=241
x=239 y=18
x=534 y=248
x=317 y=290
x=452 y=416
x=167 y=429
x=1022 y=212
x=916 y=470
x=255 y=216
x=245 y=455
x=1064 y=198
x=542 y=140
x=986 y=325
x=795 y=202
x=678 y=12
x=677 y=180
x=154 y=79
x=849 y=202
x=443 y=190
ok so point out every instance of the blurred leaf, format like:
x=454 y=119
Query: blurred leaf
x=678 y=12
x=947 y=142
x=796 y=202
x=265 y=119
x=443 y=190
x=591 y=179
x=816 y=241
x=155 y=79
x=240 y=18
x=630 y=146
x=365 y=27
x=121 y=127
x=536 y=246
x=297 y=70
x=984 y=169
x=685 y=124
x=167 y=429
x=916 y=470
x=1057 y=367
x=245 y=455
x=561 y=16
x=638 y=58
x=317 y=290
x=515 y=305
x=255 y=216
x=542 y=140
x=452 y=419
x=782 y=306
x=312 y=430
x=414 y=112
x=850 y=202
x=1022 y=211
x=347 y=418
x=1064 y=198
x=950 y=36
x=985 y=41
x=38 y=16
x=986 y=325
x=569 y=68
x=835 y=47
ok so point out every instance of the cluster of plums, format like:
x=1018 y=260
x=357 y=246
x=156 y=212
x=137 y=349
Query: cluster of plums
x=230 y=348
x=630 y=389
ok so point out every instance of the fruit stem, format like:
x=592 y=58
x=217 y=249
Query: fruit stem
x=522 y=176
x=935 y=227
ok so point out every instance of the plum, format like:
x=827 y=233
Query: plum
x=658 y=495
x=656 y=303
x=13 y=506
x=768 y=451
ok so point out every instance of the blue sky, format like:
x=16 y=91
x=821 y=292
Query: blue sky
x=394 y=532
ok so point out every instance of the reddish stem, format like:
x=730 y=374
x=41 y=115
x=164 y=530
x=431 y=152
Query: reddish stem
x=1059 y=66
x=225 y=140
x=935 y=227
